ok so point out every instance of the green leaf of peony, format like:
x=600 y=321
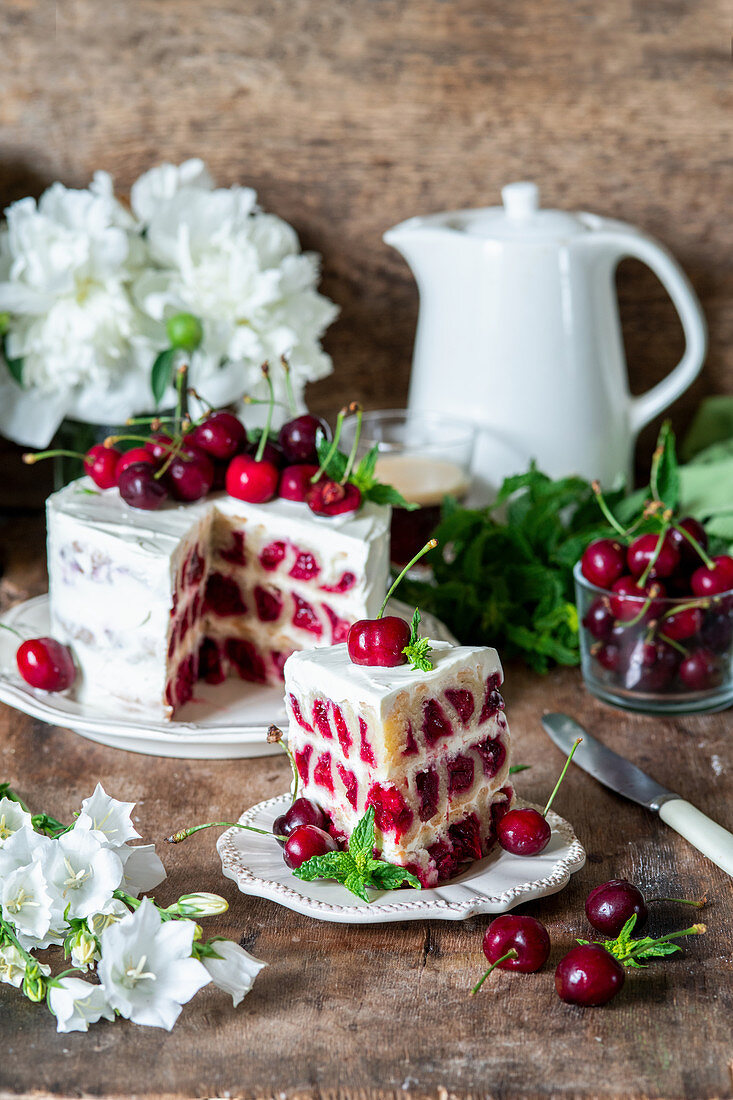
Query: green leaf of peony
x=161 y=373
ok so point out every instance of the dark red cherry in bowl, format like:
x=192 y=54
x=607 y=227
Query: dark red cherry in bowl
x=330 y=498
x=524 y=935
x=682 y=624
x=140 y=488
x=523 y=832
x=295 y=481
x=250 y=480
x=689 y=556
x=698 y=671
x=129 y=458
x=297 y=438
x=190 y=476
x=642 y=551
x=304 y=843
x=603 y=562
x=378 y=641
x=711 y=582
x=588 y=975
x=221 y=435
x=100 y=464
x=631 y=601
x=45 y=663
x=612 y=904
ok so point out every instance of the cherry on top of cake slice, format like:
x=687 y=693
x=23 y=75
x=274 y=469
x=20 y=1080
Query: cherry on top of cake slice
x=388 y=641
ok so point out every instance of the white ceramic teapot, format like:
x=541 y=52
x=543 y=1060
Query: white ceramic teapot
x=519 y=332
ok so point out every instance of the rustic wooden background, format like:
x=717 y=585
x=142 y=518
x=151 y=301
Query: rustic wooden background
x=350 y=116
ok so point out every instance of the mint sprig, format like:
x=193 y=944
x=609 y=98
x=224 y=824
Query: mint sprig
x=418 y=649
x=356 y=868
x=362 y=476
x=628 y=950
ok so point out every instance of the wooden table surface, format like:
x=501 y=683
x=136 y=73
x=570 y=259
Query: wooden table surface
x=384 y=1011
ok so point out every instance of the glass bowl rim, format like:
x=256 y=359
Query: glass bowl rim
x=465 y=430
x=582 y=582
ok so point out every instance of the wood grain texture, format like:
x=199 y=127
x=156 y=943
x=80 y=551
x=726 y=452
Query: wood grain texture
x=383 y=1012
x=348 y=117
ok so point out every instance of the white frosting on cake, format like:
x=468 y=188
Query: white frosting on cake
x=113 y=571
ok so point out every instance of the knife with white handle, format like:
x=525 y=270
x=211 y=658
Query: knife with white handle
x=626 y=779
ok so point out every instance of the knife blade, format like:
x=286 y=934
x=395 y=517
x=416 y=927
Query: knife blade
x=623 y=777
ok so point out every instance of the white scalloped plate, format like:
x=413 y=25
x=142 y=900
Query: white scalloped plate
x=492 y=885
x=225 y=721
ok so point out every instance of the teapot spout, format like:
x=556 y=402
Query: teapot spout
x=420 y=239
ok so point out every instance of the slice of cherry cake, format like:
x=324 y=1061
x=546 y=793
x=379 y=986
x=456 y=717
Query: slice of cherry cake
x=428 y=750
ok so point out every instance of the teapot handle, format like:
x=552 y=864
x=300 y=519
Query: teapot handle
x=645 y=407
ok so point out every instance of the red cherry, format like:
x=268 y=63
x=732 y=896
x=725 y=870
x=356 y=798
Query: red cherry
x=329 y=498
x=140 y=488
x=220 y=435
x=378 y=641
x=711 y=582
x=271 y=453
x=598 y=619
x=603 y=562
x=682 y=624
x=524 y=935
x=643 y=549
x=190 y=476
x=302 y=812
x=295 y=481
x=608 y=656
x=689 y=557
x=100 y=463
x=159 y=446
x=699 y=670
x=305 y=842
x=45 y=663
x=523 y=832
x=611 y=904
x=629 y=599
x=129 y=458
x=250 y=480
x=298 y=438
x=588 y=975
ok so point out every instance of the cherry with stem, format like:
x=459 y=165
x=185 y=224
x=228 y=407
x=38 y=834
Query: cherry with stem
x=526 y=831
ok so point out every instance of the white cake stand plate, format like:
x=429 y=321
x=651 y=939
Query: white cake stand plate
x=491 y=885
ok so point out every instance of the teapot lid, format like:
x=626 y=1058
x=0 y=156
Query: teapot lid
x=520 y=218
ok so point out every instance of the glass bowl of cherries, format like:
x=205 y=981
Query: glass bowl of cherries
x=655 y=614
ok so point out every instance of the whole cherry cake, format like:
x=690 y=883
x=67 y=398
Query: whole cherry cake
x=427 y=747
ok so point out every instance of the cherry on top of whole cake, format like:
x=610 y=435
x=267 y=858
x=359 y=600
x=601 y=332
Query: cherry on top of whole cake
x=389 y=641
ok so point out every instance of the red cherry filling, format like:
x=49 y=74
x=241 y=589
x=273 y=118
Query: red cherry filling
x=588 y=975
x=306 y=842
x=493 y=754
x=250 y=480
x=342 y=730
x=344 y=584
x=295 y=482
x=329 y=498
x=46 y=664
x=100 y=464
x=246 y=660
x=235 y=553
x=466 y=838
x=298 y=714
x=322 y=775
x=223 y=596
x=350 y=785
x=523 y=832
x=427 y=786
x=302 y=760
x=305 y=568
x=305 y=617
x=493 y=700
x=435 y=724
x=271 y=555
x=320 y=718
x=610 y=905
x=366 y=752
x=391 y=813
x=268 y=602
x=378 y=642
x=463 y=703
x=460 y=774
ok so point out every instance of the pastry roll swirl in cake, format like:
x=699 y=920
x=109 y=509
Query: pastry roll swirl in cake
x=428 y=750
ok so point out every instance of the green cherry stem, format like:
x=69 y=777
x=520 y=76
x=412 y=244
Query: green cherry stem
x=600 y=499
x=176 y=838
x=653 y=559
x=697 y=547
x=684 y=901
x=354 y=407
x=562 y=775
x=332 y=449
x=640 y=946
x=289 y=385
x=4 y=626
x=268 y=420
x=511 y=954
x=671 y=641
x=37 y=456
x=428 y=546
x=275 y=736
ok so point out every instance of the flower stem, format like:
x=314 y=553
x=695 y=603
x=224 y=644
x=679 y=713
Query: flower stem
x=268 y=421
x=511 y=954
x=428 y=546
x=176 y=838
x=289 y=385
x=562 y=775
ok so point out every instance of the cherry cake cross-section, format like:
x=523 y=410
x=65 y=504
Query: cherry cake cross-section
x=428 y=750
x=153 y=601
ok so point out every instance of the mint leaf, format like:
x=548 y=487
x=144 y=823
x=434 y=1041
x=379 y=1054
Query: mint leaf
x=387 y=876
x=362 y=839
x=336 y=865
x=519 y=768
x=364 y=474
x=418 y=650
x=336 y=465
x=656 y=949
x=356 y=884
x=387 y=494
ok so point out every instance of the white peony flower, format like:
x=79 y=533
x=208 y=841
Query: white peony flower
x=83 y=874
x=76 y=1004
x=235 y=971
x=109 y=819
x=142 y=869
x=162 y=183
x=26 y=900
x=146 y=967
x=12 y=818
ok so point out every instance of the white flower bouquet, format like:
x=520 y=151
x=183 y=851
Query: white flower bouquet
x=79 y=887
x=97 y=301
